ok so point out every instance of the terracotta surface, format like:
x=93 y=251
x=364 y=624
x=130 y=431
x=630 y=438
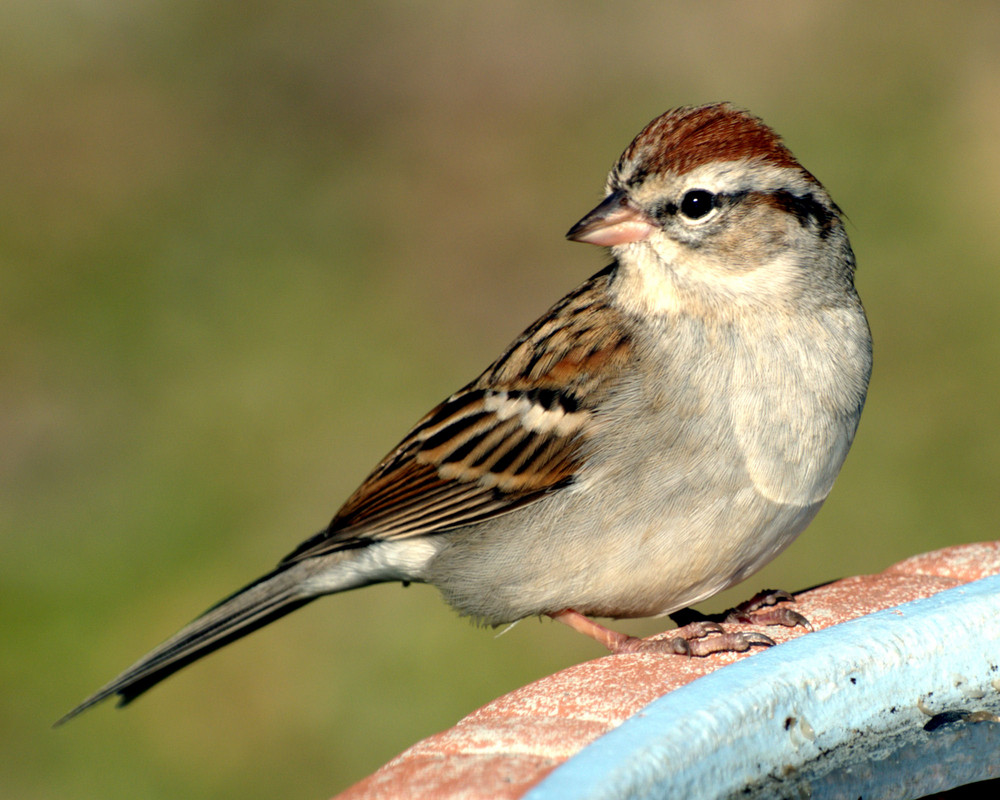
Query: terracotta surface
x=509 y=745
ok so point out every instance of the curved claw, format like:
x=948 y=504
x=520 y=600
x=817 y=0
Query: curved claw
x=781 y=616
x=758 y=611
x=736 y=642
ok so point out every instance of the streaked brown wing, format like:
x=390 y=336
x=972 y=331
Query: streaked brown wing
x=509 y=437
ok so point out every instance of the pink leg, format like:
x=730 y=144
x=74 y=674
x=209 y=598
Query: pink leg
x=691 y=640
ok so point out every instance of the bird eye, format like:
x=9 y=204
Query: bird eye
x=697 y=203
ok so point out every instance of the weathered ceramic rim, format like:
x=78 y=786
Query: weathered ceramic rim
x=808 y=713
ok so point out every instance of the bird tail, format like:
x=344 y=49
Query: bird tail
x=278 y=593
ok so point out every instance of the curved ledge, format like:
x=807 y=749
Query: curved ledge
x=915 y=680
x=859 y=709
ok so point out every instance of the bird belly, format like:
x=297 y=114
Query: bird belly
x=667 y=511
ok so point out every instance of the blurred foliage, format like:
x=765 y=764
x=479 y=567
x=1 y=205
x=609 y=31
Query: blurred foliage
x=245 y=245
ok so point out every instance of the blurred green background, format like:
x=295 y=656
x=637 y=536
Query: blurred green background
x=244 y=245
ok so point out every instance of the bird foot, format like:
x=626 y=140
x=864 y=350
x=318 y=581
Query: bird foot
x=763 y=609
x=699 y=638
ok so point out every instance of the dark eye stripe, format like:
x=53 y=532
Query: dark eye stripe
x=806 y=209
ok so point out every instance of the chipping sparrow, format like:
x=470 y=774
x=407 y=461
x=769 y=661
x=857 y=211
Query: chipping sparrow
x=661 y=433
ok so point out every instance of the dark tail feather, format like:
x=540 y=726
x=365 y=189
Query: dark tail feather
x=252 y=607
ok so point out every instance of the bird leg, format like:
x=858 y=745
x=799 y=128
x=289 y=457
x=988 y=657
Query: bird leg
x=699 y=638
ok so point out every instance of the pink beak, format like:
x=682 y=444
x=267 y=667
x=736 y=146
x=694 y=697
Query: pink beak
x=614 y=221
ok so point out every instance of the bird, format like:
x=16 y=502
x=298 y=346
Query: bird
x=658 y=435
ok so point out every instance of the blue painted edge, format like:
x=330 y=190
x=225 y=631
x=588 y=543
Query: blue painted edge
x=784 y=707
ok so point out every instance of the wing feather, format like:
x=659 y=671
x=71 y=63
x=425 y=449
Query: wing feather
x=514 y=434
